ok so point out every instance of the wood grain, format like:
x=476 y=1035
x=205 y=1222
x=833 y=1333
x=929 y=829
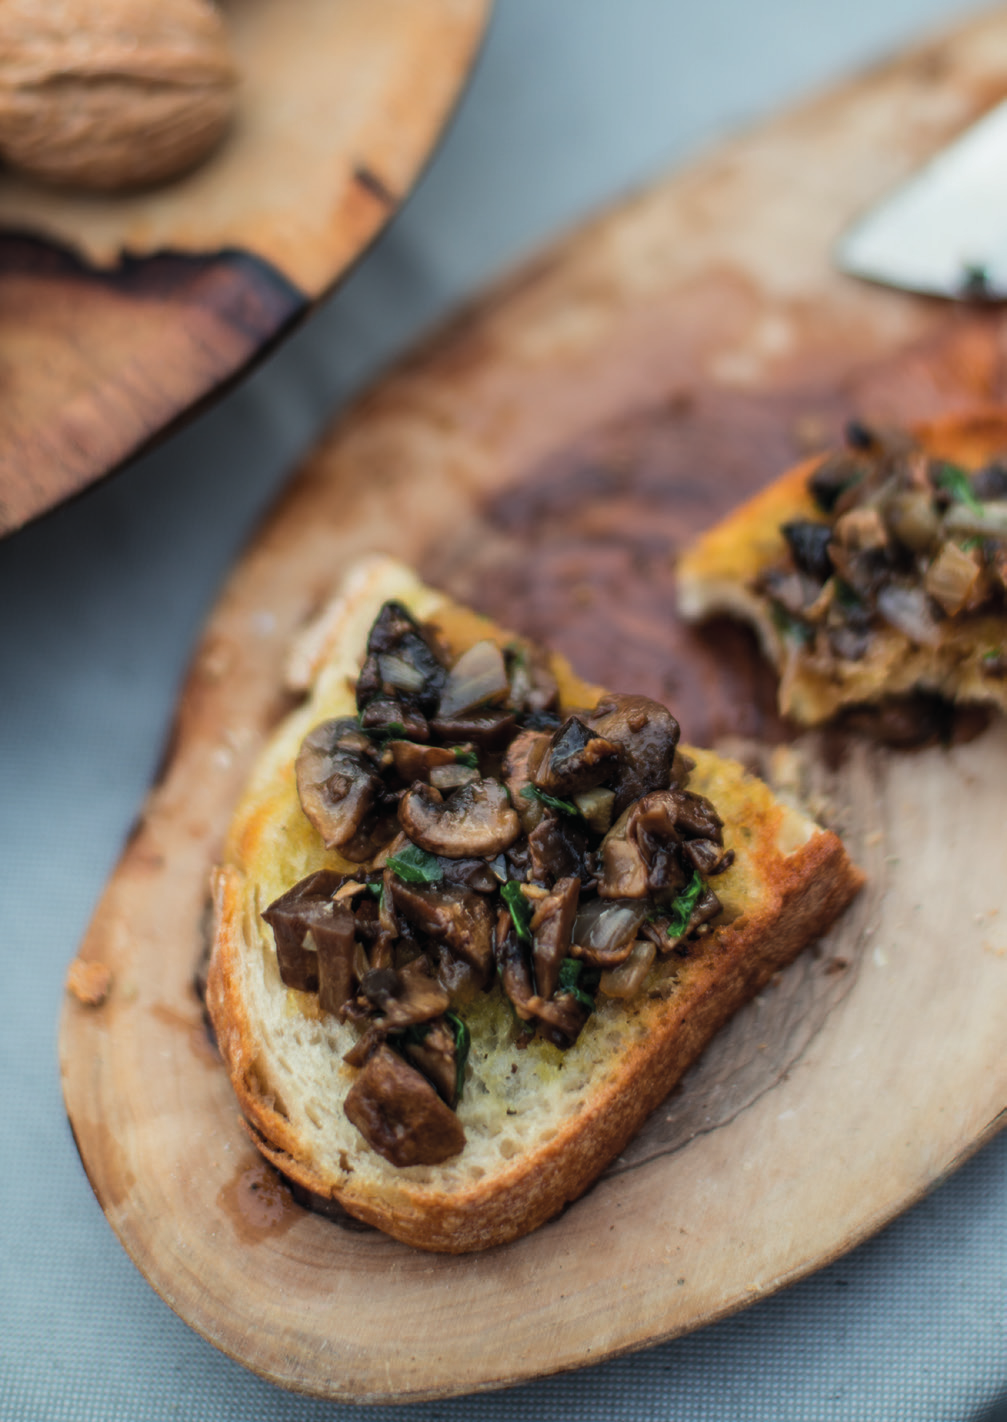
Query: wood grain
x=543 y=458
x=119 y=315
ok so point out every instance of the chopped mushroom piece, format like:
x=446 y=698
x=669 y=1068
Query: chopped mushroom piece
x=435 y=1055
x=400 y=1114
x=552 y=928
x=307 y=909
x=460 y=919
x=401 y=999
x=646 y=733
x=577 y=759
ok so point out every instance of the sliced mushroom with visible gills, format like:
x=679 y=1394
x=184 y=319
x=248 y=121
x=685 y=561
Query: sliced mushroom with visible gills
x=400 y=1114
x=552 y=929
x=646 y=733
x=337 y=785
x=474 y=822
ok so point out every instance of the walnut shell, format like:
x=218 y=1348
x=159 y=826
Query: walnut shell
x=112 y=94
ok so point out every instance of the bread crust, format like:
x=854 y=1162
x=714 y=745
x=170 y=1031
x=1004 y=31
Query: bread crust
x=792 y=879
x=717 y=573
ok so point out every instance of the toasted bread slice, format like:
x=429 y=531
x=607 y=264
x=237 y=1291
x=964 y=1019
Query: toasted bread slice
x=540 y=1124
x=963 y=662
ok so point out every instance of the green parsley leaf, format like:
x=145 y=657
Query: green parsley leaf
x=681 y=909
x=462 y=1043
x=957 y=483
x=520 y=909
x=570 y=981
x=393 y=731
x=376 y=889
x=532 y=792
x=790 y=627
x=968 y=544
x=845 y=595
x=469 y=758
x=416 y=866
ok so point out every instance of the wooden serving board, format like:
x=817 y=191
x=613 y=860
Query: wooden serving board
x=544 y=458
x=120 y=314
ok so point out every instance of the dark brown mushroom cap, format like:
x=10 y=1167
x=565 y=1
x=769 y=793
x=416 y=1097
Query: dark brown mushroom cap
x=490 y=729
x=307 y=908
x=646 y=733
x=337 y=784
x=460 y=919
x=558 y=847
x=400 y=1114
x=552 y=929
x=415 y=762
x=577 y=758
x=475 y=821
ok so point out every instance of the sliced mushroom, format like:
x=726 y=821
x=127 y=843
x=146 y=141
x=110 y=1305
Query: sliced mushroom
x=559 y=847
x=415 y=762
x=338 y=785
x=646 y=733
x=552 y=929
x=522 y=758
x=576 y=759
x=460 y=919
x=400 y=1114
x=476 y=820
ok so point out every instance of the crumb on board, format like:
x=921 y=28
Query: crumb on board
x=89 y=982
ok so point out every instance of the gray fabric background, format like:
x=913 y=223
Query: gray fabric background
x=574 y=102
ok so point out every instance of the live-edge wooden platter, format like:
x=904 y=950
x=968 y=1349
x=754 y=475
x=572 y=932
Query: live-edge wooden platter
x=544 y=458
x=119 y=315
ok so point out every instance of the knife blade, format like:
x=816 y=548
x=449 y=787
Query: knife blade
x=944 y=231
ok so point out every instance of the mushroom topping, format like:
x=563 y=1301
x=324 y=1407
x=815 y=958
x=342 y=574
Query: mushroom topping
x=338 y=785
x=401 y=663
x=434 y=1050
x=308 y=925
x=524 y=754
x=461 y=920
x=400 y=1114
x=552 y=929
x=465 y=873
x=646 y=733
x=576 y=759
x=475 y=820
x=400 y=999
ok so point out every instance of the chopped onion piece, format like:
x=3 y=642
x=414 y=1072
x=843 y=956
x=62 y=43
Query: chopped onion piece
x=951 y=578
x=596 y=808
x=627 y=979
x=397 y=672
x=603 y=925
x=991 y=523
x=908 y=611
x=477 y=677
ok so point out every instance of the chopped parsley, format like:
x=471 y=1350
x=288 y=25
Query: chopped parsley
x=416 y=866
x=681 y=909
x=462 y=1043
x=569 y=981
x=957 y=483
x=532 y=792
x=469 y=758
x=520 y=909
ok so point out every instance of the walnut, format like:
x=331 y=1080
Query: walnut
x=112 y=94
